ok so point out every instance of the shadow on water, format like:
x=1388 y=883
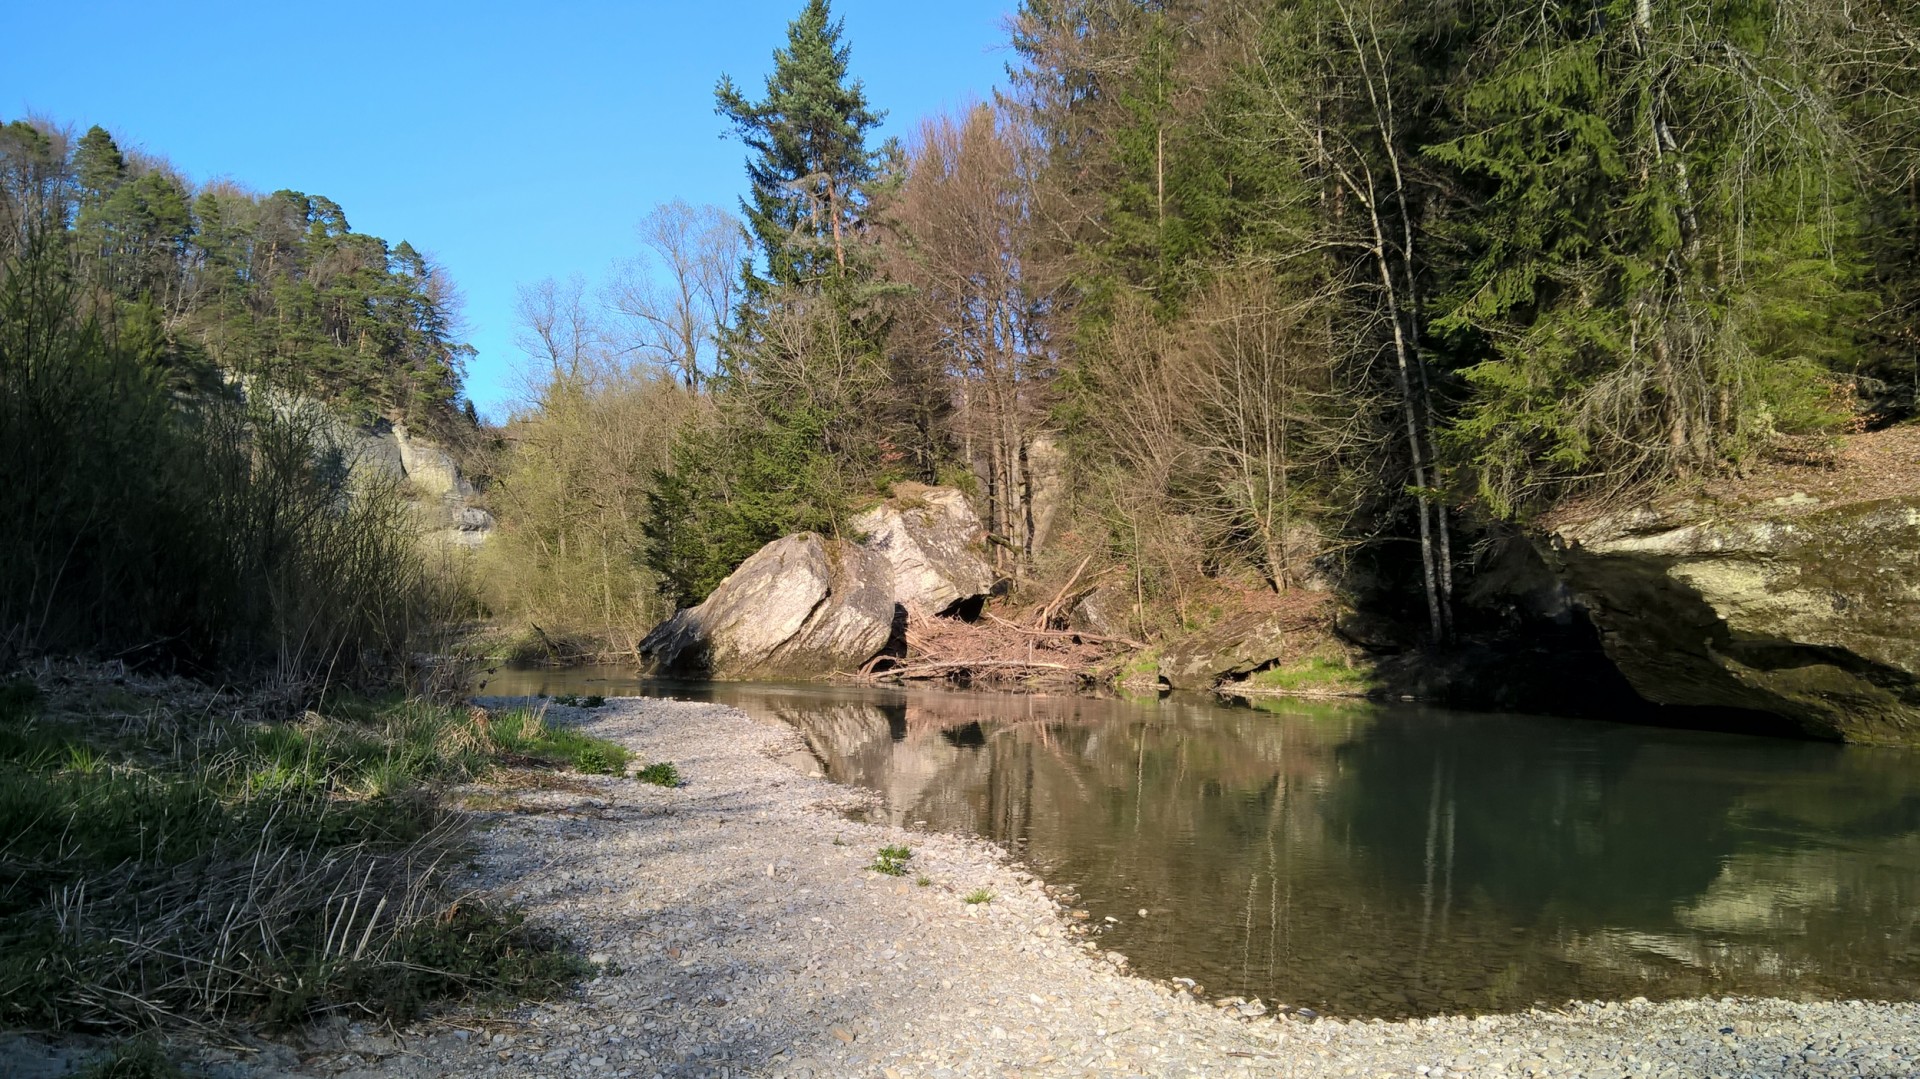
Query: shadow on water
x=1374 y=860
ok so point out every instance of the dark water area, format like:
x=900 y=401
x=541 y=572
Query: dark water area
x=1375 y=860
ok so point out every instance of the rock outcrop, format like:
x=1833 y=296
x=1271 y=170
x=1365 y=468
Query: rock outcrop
x=801 y=607
x=805 y=606
x=1233 y=649
x=1804 y=607
x=444 y=496
x=934 y=543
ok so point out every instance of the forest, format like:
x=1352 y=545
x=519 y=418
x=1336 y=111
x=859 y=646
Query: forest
x=1232 y=297
x=1226 y=298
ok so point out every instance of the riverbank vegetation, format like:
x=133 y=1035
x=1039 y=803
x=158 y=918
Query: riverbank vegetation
x=1250 y=297
x=181 y=857
x=180 y=374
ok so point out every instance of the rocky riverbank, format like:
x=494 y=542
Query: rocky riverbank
x=743 y=932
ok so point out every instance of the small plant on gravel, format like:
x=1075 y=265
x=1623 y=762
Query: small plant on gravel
x=924 y=881
x=977 y=896
x=660 y=774
x=892 y=861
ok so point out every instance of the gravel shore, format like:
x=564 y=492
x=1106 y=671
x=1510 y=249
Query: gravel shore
x=742 y=932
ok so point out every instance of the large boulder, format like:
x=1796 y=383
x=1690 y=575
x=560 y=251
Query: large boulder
x=804 y=606
x=935 y=545
x=801 y=607
x=1803 y=607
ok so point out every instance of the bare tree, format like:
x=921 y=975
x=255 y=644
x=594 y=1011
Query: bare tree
x=964 y=219
x=678 y=296
x=556 y=327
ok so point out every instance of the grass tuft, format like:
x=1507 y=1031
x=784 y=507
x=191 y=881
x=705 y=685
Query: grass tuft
x=214 y=865
x=892 y=861
x=977 y=896
x=525 y=734
x=140 y=1059
x=660 y=774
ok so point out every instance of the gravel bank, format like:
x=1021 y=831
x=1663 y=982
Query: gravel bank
x=743 y=934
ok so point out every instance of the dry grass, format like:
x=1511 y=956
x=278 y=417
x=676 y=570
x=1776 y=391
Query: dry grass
x=178 y=857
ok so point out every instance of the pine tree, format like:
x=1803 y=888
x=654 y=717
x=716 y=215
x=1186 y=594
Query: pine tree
x=810 y=160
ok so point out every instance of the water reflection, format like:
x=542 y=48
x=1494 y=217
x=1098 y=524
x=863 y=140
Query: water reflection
x=1402 y=861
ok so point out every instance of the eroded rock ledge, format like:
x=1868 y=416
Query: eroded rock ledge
x=1802 y=606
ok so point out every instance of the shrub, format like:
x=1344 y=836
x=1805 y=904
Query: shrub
x=660 y=774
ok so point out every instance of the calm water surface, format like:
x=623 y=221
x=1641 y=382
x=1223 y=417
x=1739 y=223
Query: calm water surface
x=1390 y=861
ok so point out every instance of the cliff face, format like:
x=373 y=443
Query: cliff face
x=1804 y=604
x=446 y=499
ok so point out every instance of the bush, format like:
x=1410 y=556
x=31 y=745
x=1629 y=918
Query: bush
x=209 y=532
x=660 y=774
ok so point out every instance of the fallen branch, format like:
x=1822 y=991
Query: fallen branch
x=1047 y=613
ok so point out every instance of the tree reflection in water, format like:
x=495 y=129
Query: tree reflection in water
x=1370 y=860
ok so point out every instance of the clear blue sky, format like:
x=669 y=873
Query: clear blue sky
x=510 y=141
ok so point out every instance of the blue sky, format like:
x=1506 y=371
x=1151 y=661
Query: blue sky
x=510 y=141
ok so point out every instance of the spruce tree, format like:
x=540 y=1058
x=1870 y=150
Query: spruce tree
x=810 y=162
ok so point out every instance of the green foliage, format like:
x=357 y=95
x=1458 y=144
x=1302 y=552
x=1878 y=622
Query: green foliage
x=1632 y=308
x=977 y=897
x=1315 y=675
x=574 y=700
x=226 y=536
x=892 y=861
x=276 y=288
x=727 y=493
x=659 y=773
x=249 y=868
x=809 y=156
x=524 y=733
x=571 y=499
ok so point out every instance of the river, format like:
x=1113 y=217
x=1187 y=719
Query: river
x=1375 y=860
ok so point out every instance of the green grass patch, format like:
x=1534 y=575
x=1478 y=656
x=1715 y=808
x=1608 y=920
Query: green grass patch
x=1315 y=674
x=977 y=897
x=219 y=862
x=892 y=861
x=660 y=774
x=524 y=733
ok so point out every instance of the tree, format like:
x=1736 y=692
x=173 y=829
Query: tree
x=1662 y=251
x=678 y=298
x=961 y=226
x=810 y=160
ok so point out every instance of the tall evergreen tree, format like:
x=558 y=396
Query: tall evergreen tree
x=810 y=160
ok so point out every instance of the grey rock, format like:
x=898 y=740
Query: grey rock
x=1807 y=611
x=1233 y=649
x=799 y=607
x=934 y=544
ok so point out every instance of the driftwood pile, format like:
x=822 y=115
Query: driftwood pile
x=1036 y=649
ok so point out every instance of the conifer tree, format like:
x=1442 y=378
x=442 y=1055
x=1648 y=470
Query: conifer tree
x=810 y=161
